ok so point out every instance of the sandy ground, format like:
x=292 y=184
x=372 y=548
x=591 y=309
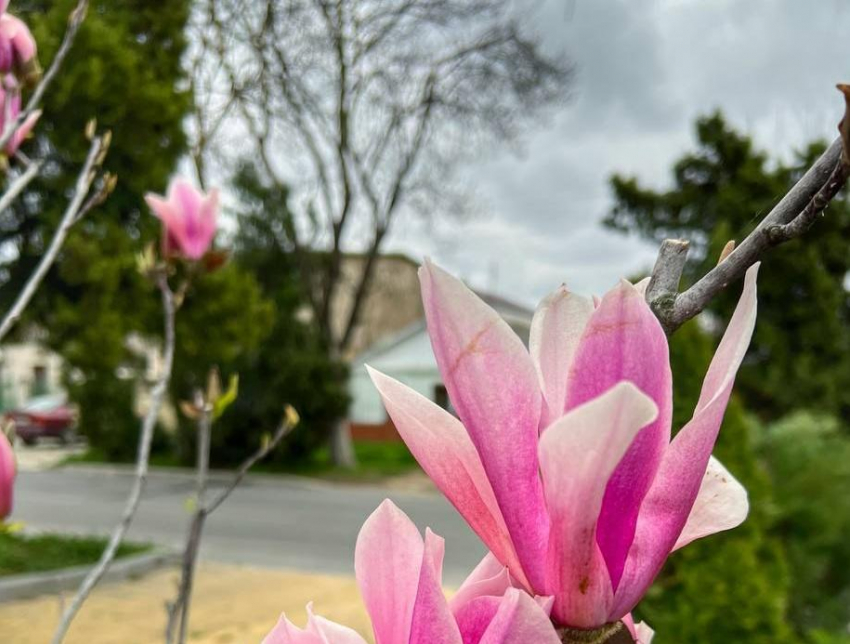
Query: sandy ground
x=232 y=605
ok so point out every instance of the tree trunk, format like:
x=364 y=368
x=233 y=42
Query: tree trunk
x=342 y=447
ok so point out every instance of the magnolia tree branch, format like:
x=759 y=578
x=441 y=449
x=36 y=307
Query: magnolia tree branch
x=77 y=207
x=157 y=395
x=19 y=184
x=790 y=218
x=178 y=610
x=75 y=19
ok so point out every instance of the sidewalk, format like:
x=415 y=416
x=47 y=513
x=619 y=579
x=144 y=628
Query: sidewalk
x=232 y=605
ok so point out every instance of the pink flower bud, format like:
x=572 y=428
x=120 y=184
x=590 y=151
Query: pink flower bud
x=10 y=108
x=189 y=219
x=7 y=476
x=17 y=49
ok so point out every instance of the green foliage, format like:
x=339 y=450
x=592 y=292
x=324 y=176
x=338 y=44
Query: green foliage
x=730 y=587
x=809 y=462
x=124 y=69
x=720 y=191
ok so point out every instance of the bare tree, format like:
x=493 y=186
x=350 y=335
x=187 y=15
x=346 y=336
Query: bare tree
x=365 y=108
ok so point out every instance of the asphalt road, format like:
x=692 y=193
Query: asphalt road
x=280 y=523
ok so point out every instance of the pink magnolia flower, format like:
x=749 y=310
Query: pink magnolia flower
x=561 y=459
x=17 y=47
x=189 y=219
x=400 y=577
x=10 y=108
x=7 y=476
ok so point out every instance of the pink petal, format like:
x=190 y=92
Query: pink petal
x=387 y=562
x=22 y=41
x=490 y=577
x=319 y=631
x=493 y=386
x=8 y=470
x=624 y=341
x=474 y=617
x=433 y=622
x=4 y=4
x=442 y=447
x=519 y=620
x=22 y=133
x=680 y=476
x=641 y=632
x=555 y=332
x=721 y=504
x=578 y=455
x=163 y=210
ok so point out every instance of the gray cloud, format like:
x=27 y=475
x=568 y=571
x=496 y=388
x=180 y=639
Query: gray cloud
x=645 y=71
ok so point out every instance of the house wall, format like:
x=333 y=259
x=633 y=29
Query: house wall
x=20 y=365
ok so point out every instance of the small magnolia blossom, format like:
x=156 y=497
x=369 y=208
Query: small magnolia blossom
x=10 y=108
x=189 y=218
x=18 y=51
x=7 y=476
x=561 y=459
x=400 y=577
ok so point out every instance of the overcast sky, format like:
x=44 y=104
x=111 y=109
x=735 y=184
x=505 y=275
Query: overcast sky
x=645 y=71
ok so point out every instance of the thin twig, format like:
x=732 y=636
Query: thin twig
x=74 y=21
x=789 y=219
x=157 y=396
x=178 y=610
x=286 y=426
x=70 y=216
x=18 y=185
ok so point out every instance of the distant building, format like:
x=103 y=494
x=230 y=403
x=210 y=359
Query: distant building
x=27 y=369
x=405 y=354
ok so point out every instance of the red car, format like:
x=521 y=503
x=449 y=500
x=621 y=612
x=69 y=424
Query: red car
x=45 y=417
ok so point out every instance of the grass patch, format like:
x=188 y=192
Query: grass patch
x=21 y=553
x=375 y=460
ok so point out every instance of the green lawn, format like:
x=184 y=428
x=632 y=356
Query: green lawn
x=21 y=553
x=375 y=460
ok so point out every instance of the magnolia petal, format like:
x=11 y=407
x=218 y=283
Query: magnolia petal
x=490 y=577
x=555 y=333
x=642 y=285
x=22 y=41
x=433 y=622
x=520 y=620
x=641 y=632
x=22 y=133
x=8 y=470
x=387 y=562
x=493 y=385
x=721 y=504
x=319 y=631
x=578 y=455
x=669 y=503
x=442 y=447
x=4 y=4
x=623 y=340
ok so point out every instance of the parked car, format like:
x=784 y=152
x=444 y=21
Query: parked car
x=45 y=417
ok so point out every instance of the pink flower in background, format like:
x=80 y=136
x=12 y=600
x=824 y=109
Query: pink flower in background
x=10 y=108
x=18 y=51
x=561 y=459
x=400 y=577
x=189 y=218
x=7 y=476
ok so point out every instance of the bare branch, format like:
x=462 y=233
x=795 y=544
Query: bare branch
x=75 y=207
x=19 y=184
x=288 y=423
x=178 y=610
x=74 y=21
x=791 y=217
x=131 y=506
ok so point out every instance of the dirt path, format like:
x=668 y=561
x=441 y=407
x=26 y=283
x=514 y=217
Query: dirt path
x=233 y=605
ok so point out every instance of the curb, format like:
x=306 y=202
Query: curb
x=51 y=582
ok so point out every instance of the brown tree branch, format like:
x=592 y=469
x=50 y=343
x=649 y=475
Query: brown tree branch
x=145 y=437
x=788 y=220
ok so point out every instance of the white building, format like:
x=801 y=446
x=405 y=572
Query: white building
x=27 y=369
x=407 y=356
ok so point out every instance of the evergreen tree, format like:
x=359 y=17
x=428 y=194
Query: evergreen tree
x=124 y=69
